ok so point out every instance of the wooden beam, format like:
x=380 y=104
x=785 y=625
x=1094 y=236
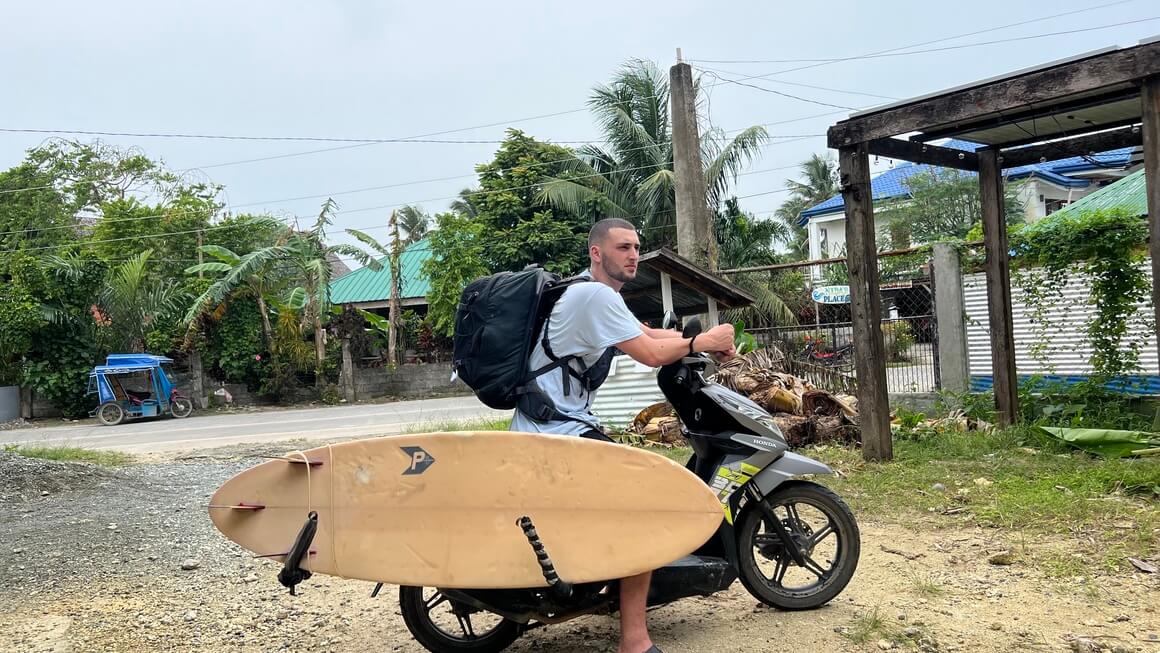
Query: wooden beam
x=1150 y=102
x=1091 y=144
x=1124 y=66
x=714 y=318
x=924 y=153
x=998 y=287
x=865 y=304
x=1042 y=113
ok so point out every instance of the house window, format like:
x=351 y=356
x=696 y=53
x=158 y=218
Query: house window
x=1051 y=206
x=824 y=242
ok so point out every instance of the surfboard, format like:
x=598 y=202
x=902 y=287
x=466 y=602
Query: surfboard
x=442 y=509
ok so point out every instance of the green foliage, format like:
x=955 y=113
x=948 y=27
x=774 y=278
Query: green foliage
x=820 y=184
x=941 y=203
x=235 y=352
x=743 y=341
x=899 y=338
x=32 y=213
x=58 y=367
x=94 y=456
x=20 y=319
x=1105 y=247
x=457 y=248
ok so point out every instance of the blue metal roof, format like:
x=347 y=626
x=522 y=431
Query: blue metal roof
x=125 y=363
x=892 y=183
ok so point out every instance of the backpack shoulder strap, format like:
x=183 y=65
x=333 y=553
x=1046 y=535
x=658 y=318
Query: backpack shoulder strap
x=553 y=295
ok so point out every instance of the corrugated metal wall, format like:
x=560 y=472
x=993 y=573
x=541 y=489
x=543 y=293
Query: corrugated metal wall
x=1058 y=349
x=629 y=389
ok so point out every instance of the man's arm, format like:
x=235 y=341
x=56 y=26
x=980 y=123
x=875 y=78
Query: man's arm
x=661 y=333
x=655 y=352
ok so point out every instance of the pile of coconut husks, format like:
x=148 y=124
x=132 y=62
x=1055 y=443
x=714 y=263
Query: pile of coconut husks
x=805 y=414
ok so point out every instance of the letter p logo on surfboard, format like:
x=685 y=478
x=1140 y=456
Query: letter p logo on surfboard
x=420 y=460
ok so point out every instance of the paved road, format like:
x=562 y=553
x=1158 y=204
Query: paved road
x=217 y=429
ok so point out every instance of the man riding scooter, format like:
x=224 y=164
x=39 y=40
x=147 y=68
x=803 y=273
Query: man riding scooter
x=586 y=327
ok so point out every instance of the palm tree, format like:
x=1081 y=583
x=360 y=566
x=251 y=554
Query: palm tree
x=744 y=241
x=820 y=183
x=413 y=222
x=633 y=178
x=302 y=256
x=134 y=303
x=252 y=274
x=463 y=205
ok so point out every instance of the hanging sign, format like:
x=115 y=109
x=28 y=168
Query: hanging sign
x=831 y=295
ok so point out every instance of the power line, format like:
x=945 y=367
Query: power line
x=917 y=45
x=181 y=212
x=788 y=95
x=166 y=234
x=788 y=83
x=225 y=137
x=789 y=139
x=893 y=53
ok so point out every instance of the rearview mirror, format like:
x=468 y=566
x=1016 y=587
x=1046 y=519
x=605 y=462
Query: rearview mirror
x=669 y=321
x=692 y=327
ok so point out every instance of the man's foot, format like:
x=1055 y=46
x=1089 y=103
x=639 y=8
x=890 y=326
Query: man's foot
x=651 y=649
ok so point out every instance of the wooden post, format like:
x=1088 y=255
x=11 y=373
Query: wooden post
x=714 y=318
x=865 y=304
x=346 y=376
x=998 y=287
x=666 y=292
x=1150 y=99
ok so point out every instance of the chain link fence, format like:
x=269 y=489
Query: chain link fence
x=819 y=347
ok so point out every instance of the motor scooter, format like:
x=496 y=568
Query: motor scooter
x=793 y=543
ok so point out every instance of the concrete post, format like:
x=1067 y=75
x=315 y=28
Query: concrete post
x=346 y=374
x=695 y=239
x=197 y=381
x=950 y=314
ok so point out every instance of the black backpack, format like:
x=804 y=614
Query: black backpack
x=496 y=324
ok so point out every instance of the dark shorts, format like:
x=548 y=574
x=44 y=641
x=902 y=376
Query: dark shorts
x=593 y=434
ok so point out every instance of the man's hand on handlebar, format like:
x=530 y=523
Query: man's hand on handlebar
x=718 y=340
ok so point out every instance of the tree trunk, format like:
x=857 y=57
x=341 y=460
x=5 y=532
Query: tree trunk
x=393 y=315
x=319 y=353
x=267 y=332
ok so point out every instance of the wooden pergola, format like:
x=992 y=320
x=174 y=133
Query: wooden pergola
x=1077 y=107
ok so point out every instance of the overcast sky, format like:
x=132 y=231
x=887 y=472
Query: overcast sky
x=386 y=70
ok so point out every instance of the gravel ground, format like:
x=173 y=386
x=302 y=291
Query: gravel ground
x=91 y=559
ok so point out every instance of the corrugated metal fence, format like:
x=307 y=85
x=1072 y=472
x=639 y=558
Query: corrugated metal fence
x=1054 y=346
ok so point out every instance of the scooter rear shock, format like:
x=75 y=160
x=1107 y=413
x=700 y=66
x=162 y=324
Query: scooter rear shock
x=559 y=587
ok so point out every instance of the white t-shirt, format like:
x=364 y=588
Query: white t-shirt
x=586 y=320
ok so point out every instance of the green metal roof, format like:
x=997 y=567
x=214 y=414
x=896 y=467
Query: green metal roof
x=1127 y=193
x=366 y=285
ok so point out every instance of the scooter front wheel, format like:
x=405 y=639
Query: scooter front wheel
x=443 y=625
x=822 y=528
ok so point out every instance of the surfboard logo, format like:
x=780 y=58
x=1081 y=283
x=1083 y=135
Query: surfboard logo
x=420 y=460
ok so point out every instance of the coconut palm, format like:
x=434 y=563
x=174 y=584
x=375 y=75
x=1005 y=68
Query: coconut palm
x=632 y=178
x=414 y=223
x=744 y=241
x=820 y=183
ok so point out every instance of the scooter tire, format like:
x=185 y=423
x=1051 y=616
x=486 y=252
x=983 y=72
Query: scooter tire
x=849 y=549
x=431 y=637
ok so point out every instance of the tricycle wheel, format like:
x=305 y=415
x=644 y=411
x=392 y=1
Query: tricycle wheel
x=443 y=625
x=110 y=413
x=180 y=407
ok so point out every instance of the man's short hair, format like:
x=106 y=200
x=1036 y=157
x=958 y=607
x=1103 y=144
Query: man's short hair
x=599 y=231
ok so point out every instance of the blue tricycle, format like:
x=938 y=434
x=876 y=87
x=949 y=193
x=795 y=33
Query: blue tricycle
x=133 y=386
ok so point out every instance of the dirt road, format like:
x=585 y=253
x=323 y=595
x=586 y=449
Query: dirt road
x=91 y=560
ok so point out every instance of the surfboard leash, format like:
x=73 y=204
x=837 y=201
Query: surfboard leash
x=562 y=588
x=292 y=572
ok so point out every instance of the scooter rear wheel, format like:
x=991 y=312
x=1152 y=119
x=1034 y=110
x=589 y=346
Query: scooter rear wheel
x=822 y=526
x=422 y=614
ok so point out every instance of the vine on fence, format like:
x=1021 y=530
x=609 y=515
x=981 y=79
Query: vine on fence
x=1106 y=247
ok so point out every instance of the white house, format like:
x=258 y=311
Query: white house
x=1048 y=187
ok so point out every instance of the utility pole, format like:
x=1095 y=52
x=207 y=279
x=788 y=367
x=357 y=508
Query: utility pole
x=393 y=315
x=695 y=238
